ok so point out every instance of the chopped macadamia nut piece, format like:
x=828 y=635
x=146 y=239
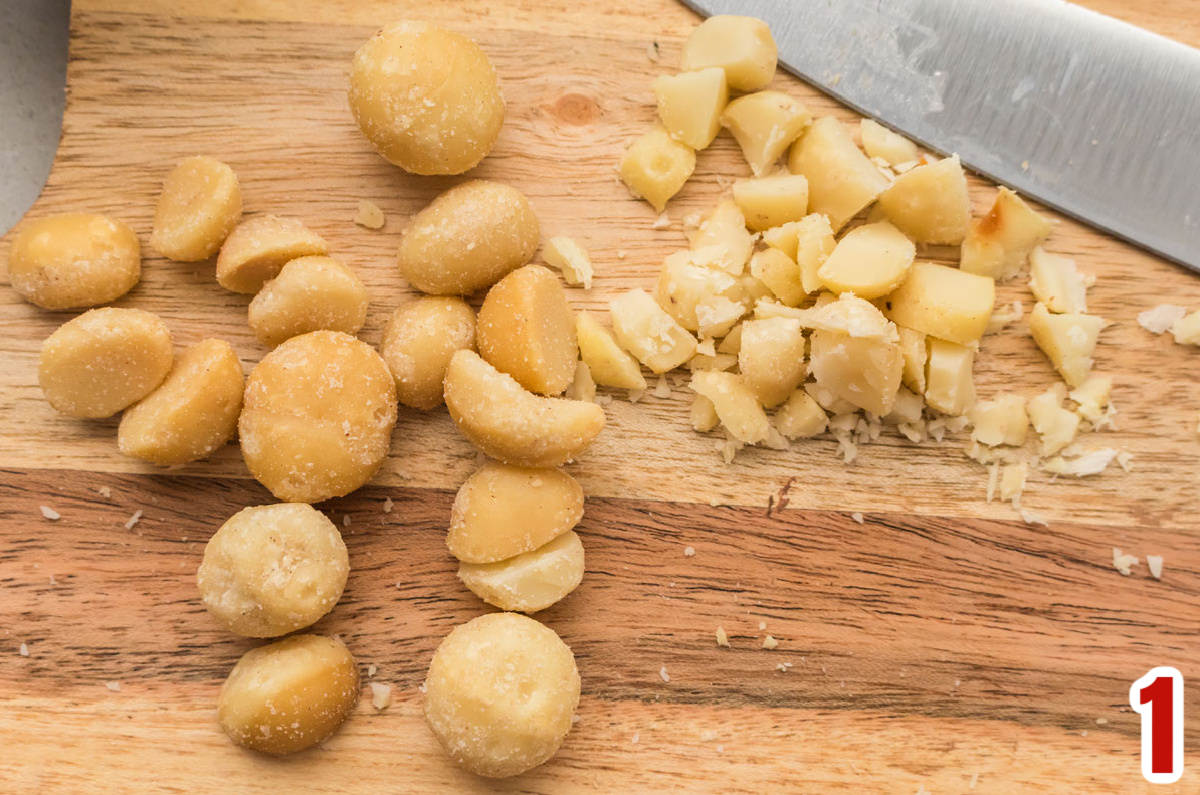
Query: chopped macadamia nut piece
x=1155 y=564
x=722 y=637
x=809 y=242
x=880 y=142
x=742 y=46
x=828 y=400
x=569 y=257
x=685 y=282
x=1093 y=462
x=369 y=215
x=1000 y=421
x=716 y=315
x=949 y=383
x=649 y=333
x=929 y=203
x=381 y=696
x=1012 y=480
x=908 y=408
x=800 y=416
x=771 y=359
x=1002 y=317
x=1160 y=318
x=1056 y=282
x=582 y=387
x=690 y=105
x=732 y=343
x=1186 y=330
x=716 y=361
x=656 y=166
x=780 y=274
x=765 y=124
x=1056 y=425
x=1122 y=562
x=1068 y=340
x=703 y=414
x=912 y=347
x=841 y=180
x=723 y=236
x=869 y=261
x=855 y=352
x=768 y=202
x=608 y=364
x=998 y=244
x=735 y=404
x=943 y=302
x=1093 y=396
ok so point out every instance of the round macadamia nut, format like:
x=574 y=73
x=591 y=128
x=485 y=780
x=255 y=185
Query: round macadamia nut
x=418 y=343
x=74 y=260
x=103 y=361
x=317 y=417
x=468 y=238
x=531 y=581
x=288 y=695
x=427 y=99
x=273 y=569
x=309 y=294
x=258 y=249
x=500 y=694
x=192 y=413
x=526 y=329
x=199 y=206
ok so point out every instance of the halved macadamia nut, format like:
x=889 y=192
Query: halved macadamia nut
x=526 y=329
x=841 y=179
x=869 y=261
x=531 y=581
x=192 y=413
x=742 y=46
x=690 y=105
x=317 y=417
x=500 y=694
x=289 y=695
x=74 y=260
x=649 y=333
x=418 y=343
x=502 y=511
x=273 y=569
x=199 y=206
x=427 y=99
x=309 y=294
x=656 y=166
x=468 y=238
x=103 y=361
x=944 y=302
x=607 y=363
x=259 y=247
x=999 y=243
x=929 y=203
x=764 y=124
x=511 y=424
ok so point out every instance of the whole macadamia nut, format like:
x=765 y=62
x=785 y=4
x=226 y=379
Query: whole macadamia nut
x=192 y=413
x=418 y=343
x=273 y=569
x=426 y=98
x=500 y=694
x=288 y=695
x=309 y=294
x=468 y=238
x=199 y=206
x=103 y=361
x=74 y=260
x=317 y=416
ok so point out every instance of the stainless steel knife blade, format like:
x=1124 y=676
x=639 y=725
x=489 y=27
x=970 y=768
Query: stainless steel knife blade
x=1090 y=115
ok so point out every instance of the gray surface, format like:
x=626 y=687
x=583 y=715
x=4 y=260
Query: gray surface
x=1090 y=115
x=33 y=73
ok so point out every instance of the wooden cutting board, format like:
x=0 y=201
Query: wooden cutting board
x=940 y=643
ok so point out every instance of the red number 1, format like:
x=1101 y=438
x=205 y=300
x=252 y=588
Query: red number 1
x=1158 y=697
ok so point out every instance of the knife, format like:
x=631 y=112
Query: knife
x=1094 y=117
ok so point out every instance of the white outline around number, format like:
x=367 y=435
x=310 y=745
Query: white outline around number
x=1145 y=710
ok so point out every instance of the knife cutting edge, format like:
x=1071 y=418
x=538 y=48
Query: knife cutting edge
x=1090 y=115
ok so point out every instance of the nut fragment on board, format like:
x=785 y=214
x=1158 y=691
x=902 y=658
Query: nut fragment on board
x=369 y=215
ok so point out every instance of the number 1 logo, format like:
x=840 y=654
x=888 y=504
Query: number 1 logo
x=1158 y=698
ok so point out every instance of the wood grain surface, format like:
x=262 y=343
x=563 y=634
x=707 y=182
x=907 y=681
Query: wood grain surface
x=941 y=643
